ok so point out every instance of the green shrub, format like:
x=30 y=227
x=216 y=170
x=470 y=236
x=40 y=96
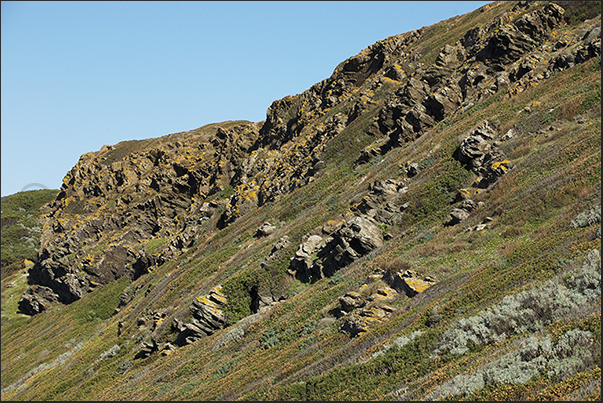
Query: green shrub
x=587 y=218
x=308 y=327
x=20 y=227
x=269 y=338
x=436 y=193
x=591 y=101
x=238 y=291
x=579 y=11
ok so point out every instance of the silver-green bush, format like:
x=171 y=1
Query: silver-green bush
x=575 y=351
x=527 y=311
x=587 y=218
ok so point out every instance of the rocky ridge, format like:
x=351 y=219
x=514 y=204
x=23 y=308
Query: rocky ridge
x=131 y=207
x=381 y=206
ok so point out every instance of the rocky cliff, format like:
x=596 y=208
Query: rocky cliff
x=399 y=195
x=130 y=207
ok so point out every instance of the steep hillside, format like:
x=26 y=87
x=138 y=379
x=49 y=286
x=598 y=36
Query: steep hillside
x=21 y=231
x=422 y=225
x=20 y=227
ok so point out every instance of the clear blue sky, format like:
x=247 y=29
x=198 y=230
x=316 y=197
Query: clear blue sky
x=78 y=75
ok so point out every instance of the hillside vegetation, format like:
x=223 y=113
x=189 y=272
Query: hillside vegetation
x=21 y=228
x=422 y=225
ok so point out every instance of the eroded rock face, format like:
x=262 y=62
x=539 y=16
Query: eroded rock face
x=147 y=193
x=362 y=319
x=504 y=55
x=409 y=282
x=380 y=203
x=36 y=299
x=481 y=153
x=208 y=317
x=318 y=258
x=463 y=211
x=130 y=207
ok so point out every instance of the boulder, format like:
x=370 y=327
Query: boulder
x=462 y=212
x=265 y=230
x=481 y=153
x=351 y=301
x=362 y=319
x=472 y=149
x=411 y=169
x=408 y=281
x=36 y=299
x=353 y=240
x=147 y=348
x=317 y=258
x=304 y=259
x=379 y=204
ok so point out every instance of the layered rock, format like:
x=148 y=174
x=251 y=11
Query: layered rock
x=207 y=317
x=380 y=203
x=462 y=211
x=36 y=299
x=130 y=207
x=366 y=307
x=409 y=282
x=480 y=153
x=362 y=319
x=319 y=257
x=510 y=54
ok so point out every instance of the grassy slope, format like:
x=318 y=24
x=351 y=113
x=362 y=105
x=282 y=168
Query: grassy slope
x=20 y=226
x=556 y=177
x=20 y=239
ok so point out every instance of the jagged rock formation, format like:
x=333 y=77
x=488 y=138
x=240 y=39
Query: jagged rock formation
x=425 y=157
x=154 y=192
x=363 y=308
x=496 y=57
x=148 y=193
x=356 y=235
x=380 y=203
x=207 y=317
x=408 y=281
x=366 y=307
x=362 y=319
x=36 y=299
x=319 y=257
x=483 y=156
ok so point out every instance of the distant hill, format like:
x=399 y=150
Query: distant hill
x=21 y=228
x=425 y=224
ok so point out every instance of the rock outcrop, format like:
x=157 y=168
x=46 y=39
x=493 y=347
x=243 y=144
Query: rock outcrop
x=150 y=193
x=408 y=282
x=36 y=299
x=319 y=257
x=362 y=319
x=132 y=206
x=380 y=203
x=207 y=317
x=366 y=307
x=481 y=154
x=509 y=54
